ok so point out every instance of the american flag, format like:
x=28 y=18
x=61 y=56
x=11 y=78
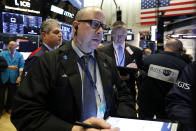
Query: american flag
x=170 y=7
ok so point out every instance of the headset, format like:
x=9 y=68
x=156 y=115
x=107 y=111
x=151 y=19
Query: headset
x=180 y=46
x=76 y=28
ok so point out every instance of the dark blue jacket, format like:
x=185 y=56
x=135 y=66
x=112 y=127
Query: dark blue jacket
x=151 y=95
x=179 y=99
x=34 y=56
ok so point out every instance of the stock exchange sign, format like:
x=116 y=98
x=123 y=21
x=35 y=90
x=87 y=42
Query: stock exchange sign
x=23 y=3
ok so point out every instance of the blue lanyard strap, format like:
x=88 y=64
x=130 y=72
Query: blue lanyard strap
x=86 y=70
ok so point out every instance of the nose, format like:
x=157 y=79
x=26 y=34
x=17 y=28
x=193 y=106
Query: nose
x=99 y=30
x=60 y=34
x=120 y=38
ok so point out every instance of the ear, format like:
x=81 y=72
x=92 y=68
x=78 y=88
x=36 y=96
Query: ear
x=43 y=35
x=75 y=24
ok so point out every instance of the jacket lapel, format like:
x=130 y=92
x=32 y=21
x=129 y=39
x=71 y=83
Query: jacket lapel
x=8 y=57
x=15 y=56
x=71 y=69
x=111 y=53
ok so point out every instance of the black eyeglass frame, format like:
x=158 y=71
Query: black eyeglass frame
x=103 y=26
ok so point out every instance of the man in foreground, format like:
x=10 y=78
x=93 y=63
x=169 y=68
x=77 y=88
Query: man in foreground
x=73 y=83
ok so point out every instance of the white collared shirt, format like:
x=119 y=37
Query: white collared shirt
x=48 y=47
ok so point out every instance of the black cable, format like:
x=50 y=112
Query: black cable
x=115 y=4
x=101 y=4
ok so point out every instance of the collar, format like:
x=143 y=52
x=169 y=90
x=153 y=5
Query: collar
x=78 y=52
x=116 y=46
x=170 y=53
x=13 y=53
x=57 y=46
x=48 y=47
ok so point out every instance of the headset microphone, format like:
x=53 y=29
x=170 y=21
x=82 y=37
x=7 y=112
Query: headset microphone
x=76 y=28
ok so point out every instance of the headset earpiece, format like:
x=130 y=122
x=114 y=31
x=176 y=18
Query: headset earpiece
x=180 y=46
x=76 y=28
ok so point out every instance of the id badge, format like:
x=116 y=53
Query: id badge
x=101 y=111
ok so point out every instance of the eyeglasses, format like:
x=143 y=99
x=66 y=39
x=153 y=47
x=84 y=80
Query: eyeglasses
x=96 y=24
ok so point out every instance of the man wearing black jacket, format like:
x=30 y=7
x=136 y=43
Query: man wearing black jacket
x=131 y=55
x=52 y=95
x=51 y=35
x=161 y=72
x=179 y=103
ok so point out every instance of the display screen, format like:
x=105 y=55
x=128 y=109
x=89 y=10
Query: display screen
x=130 y=37
x=28 y=46
x=1 y=45
x=67 y=31
x=153 y=30
x=14 y=23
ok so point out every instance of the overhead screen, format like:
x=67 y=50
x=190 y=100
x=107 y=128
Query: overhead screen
x=14 y=23
x=67 y=31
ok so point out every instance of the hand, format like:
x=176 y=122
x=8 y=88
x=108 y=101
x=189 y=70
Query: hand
x=13 y=67
x=18 y=80
x=132 y=65
x=95 y=121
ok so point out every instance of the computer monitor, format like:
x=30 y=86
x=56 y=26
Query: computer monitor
x=130 y=37
x=28 y=46
x=67 y=31
x=14 y=23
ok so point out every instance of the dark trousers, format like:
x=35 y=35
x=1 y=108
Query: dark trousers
x=11 y=92
x=131 y=84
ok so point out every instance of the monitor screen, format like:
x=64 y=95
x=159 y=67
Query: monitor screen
x=129 y=30
x=67 y=31
x=130 y=37
x=28 y=46
x=110 y=31
x=153 y=30
x=25 y=54
x=14 y=23
x=1 y=45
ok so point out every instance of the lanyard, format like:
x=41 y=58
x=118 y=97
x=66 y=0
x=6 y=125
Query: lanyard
x=89 y=76
x=85 y=69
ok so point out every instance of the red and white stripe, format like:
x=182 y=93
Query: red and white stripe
x=177 y=7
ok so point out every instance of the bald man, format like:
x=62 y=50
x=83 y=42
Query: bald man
x=147 y=52
x=174 y=45
x=73 y=83
x=10 y=77
x=162 y=70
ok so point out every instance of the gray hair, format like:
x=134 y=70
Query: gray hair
x=46 y=25
x=117 y=25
